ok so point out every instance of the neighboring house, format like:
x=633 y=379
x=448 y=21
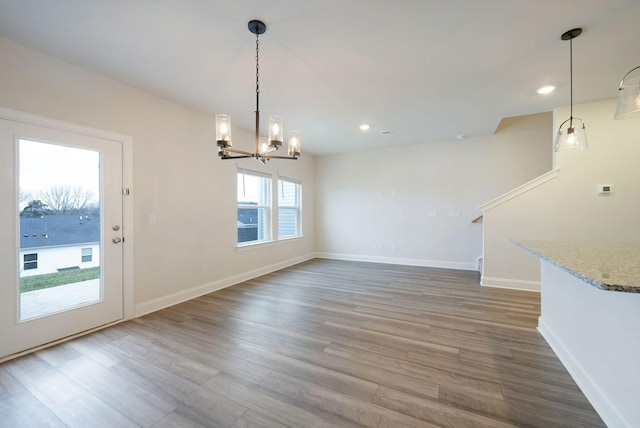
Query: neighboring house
x=55 y=243
x=248 y=223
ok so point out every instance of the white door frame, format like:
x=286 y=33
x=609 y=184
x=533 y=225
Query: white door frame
x=127 y=184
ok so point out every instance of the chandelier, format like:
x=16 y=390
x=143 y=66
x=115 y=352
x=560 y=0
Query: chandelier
x=265 y=146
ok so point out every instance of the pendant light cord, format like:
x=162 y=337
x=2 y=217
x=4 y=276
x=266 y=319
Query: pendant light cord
x=571 y=81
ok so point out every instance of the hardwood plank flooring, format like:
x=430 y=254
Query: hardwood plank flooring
x=321 y=344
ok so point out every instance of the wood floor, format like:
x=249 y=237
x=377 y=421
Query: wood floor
x=321 y=344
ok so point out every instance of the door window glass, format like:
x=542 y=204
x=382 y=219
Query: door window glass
x=59 y=207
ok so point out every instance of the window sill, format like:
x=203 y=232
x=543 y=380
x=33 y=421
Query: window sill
x=254 y=245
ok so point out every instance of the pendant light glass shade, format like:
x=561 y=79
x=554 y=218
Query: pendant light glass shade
x=571 y=136
x=629 y=97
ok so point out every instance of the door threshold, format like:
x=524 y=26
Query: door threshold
x=59 y=341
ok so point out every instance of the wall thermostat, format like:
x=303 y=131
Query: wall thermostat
x=605 y=189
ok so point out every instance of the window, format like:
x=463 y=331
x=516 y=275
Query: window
x=288 y=208
x=87 y=255
x=30 y=261
x=257 y=221
x=254 y=206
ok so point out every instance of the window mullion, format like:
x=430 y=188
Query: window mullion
x=274 y=209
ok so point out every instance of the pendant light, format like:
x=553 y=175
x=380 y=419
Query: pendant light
x=264 y=146
x=629 y=97
x=571 y=133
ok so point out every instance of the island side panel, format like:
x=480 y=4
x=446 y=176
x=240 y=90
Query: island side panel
x=596 y=335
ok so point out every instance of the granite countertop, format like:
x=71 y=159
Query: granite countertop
x=608 y=266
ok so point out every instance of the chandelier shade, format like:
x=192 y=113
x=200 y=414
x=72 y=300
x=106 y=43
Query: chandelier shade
x=223 y=130
x=571 y=133
x=264 y=146
x=294 y=143
x=629 y=96
x=275 y=131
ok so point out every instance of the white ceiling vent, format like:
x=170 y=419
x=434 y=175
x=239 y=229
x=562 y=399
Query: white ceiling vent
x=387 y=132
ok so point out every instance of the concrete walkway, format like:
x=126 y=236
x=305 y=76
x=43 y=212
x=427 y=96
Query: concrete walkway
x=55 y=299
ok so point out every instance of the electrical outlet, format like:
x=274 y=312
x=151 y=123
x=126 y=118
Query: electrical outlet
x=205 y=268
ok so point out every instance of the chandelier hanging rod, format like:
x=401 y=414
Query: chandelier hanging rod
x=263 y=146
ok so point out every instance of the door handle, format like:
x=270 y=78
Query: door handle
x=116 y=240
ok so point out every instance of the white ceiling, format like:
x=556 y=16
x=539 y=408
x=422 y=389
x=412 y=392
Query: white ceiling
x=426 y=69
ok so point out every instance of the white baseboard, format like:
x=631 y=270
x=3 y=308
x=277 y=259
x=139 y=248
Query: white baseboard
x=513 y=284
x=596 y=396
x=184 y=295
x=399 y=261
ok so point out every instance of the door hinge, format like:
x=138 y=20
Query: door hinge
x=126 y=191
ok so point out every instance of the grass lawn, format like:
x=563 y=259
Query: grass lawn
x=38 y=282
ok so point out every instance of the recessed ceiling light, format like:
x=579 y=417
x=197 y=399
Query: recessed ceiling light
x=546 y=90
x=364 y=127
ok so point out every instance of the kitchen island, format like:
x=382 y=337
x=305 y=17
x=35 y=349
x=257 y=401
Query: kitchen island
x=590 y=298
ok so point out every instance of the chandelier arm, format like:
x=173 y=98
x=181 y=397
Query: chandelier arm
x=272 y=149
x=226 y=157
x=282 y=157
x=231 y=150
x=625 y=76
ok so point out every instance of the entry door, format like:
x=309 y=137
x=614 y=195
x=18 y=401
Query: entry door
x=61 y=251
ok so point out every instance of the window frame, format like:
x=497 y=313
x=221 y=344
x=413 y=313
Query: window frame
x=271 y=207
x=267 y=207
x=33 y=262
x=297 y=206
x=83 y=255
